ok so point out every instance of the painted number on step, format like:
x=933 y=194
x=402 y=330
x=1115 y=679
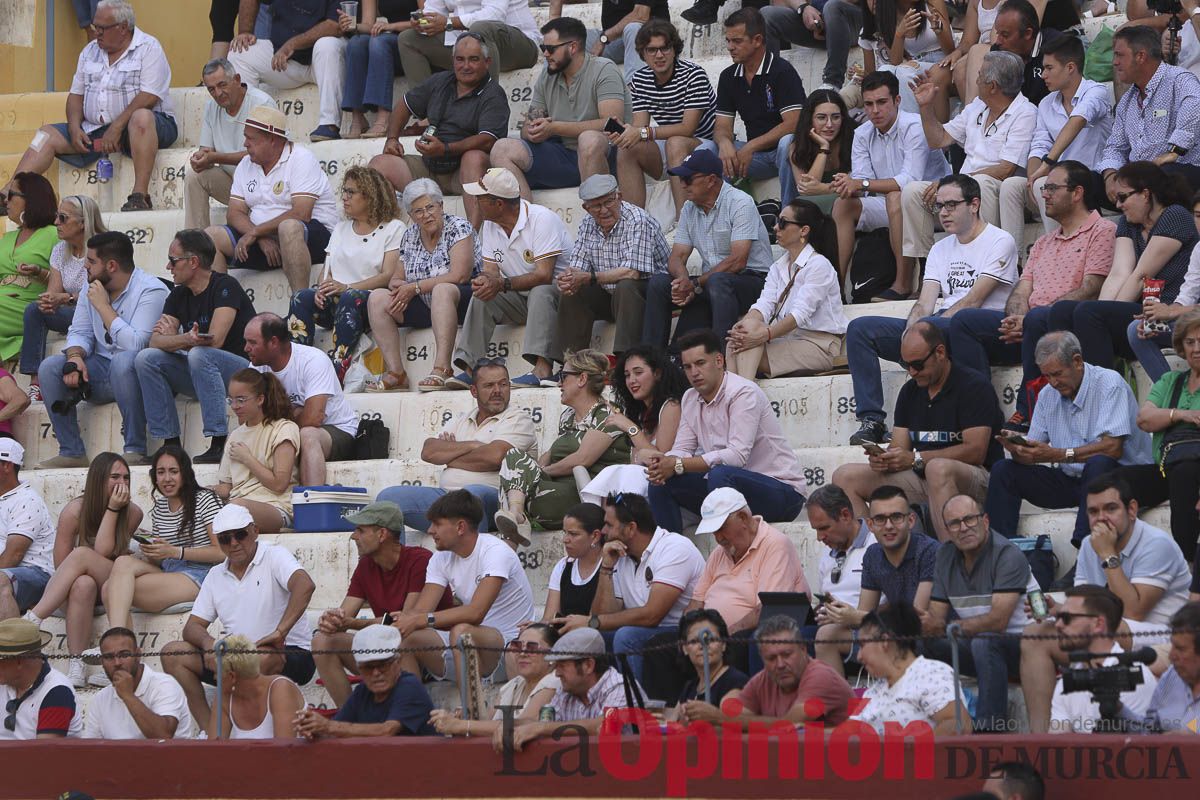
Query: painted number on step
x=1009 y=394
x=411 y=483
x=814 y=476
x=417 y=353
x=91 y=176
x=140 y=235
x=250 y=293
x=521 y=94
x=530 y=559
x=370 y=415
x=294 y=107
x=47 y=431
x=790 y=407
x=567 y=214
x=169 y=174
x=497 y=350
x=330 y=167
x=535 y=414
x=845 y=405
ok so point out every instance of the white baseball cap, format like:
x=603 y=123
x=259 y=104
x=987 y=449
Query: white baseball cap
x=717 y=507
x=11 y=451
x=498 y=182
x=375 y=643
x=232 y=518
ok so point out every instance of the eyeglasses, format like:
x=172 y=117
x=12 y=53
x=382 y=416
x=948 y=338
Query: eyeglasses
x=1067 y=617
x=14 y=193
x=562 y=376
x=917 y=364
x=12 y=706
x=423 y=210
x=897 y=519
x=226 y=539
x=63 y=218
x=1123 y=196
x=176 y=259
x=962 y=523
x=374 y=666
x=533 y=648
x=949 y=205
x=491 y=362
x=993 y=128
x=549 y=49
x=712 y=639
x=1051 y=188
x=103 y=28
x=121 y=656
x=658 y=51
x=237 y=402
x=1191 y=343
x=612 y=201
x=350 y=192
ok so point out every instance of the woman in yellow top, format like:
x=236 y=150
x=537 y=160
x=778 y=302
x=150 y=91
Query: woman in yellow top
x=258 y=469
x=25 y=254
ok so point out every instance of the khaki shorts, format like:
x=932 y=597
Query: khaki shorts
x=974 y=477
x=448 y=182
x=812 y=351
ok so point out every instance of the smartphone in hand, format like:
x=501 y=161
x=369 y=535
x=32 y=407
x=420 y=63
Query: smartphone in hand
x=613 y=126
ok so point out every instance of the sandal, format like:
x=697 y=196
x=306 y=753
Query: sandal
x=376 y=131
x=138 y=201
x=435 y=381
x=388 y=382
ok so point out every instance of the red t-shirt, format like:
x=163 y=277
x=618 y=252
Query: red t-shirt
x=762 y=695
x=387 y=591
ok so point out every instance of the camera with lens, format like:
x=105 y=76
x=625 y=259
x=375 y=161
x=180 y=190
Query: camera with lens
x=1165 y=6
x=1106 y=684
x=74 y=396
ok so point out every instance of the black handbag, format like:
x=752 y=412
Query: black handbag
x=371 y=440
x=1181 y=442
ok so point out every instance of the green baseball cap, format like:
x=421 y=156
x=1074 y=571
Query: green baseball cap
x=384 y=514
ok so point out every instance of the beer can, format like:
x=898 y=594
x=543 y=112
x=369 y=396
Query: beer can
x=1037 y=604
x=104 y=169
x=429 y=133
x=546 y=714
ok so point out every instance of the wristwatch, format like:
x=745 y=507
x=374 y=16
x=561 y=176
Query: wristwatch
x=429 y=621
x=918 y=465
x=1112 y=562
x=506 y=284
x=1179 y=151
x=604 y=38
x=644 y=133
x=1069 y=456
x=866 y=185
x=678 y=465
x=594 y=622
x=633 y=430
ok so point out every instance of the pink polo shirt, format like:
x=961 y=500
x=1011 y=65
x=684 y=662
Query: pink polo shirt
x=1058 y=263
x=738 y=429
x=771 y=564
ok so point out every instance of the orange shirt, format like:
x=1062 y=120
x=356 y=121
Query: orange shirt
x=772 y=564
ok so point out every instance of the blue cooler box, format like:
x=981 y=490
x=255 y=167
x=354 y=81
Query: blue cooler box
x=321 y=508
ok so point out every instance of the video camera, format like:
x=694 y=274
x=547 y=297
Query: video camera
x=74 y=396
x=1107 y=684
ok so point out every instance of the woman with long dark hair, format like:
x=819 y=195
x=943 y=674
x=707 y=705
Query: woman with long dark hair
x=907 y=38
x=647 y=386
x=172 y=562
x=574 y=579
x=820 y=149
x=797 y=324
x=94 y=529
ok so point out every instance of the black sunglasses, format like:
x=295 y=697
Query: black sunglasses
x=564 y=374
x=783 y=223
x=550 y=49
x=917 y=364
x=226 y=539
x=14 y=705
x=1067 y=617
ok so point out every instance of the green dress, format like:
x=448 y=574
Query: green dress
x=17 y=290
x=548 y=498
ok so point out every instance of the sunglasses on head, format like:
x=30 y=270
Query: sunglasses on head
x=226 y=539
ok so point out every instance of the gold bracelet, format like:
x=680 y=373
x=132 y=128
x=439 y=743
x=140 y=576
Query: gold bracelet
x=1172 y=417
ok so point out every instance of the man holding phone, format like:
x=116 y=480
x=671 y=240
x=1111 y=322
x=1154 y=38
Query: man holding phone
x=197 y=345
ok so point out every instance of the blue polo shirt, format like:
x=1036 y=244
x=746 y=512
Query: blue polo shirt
x=773 y=91
x=1173 y=707
x=409 y=704
x=292 y=17
x=899 y=584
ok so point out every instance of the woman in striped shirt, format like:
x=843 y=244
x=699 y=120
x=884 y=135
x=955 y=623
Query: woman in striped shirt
x=175 y=558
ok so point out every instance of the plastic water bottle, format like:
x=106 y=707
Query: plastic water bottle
x=104 y=169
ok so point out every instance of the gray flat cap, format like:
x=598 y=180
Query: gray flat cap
x=597 y=186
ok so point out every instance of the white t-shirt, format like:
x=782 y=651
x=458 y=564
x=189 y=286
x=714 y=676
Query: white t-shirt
x=955 y=266
x=576 y=578
x=350 y=257
x=925 y=688
x=848 y=586
x=46 y=708
x=254 y=605
x=491 y=558
x=108 y=717
x=23 y=512
x=310 y=373
x=226 y=134
x=672 y=559
x=1077 y=713
x=539 y=233
x=298 y=173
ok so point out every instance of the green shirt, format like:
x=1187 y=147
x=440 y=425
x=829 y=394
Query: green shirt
x=17 y=290
x=598 y=80
x=1160 y=395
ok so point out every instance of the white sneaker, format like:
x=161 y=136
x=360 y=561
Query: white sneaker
x=99 y=679
x=29 y=616
x=75 y=673
x=91 y=656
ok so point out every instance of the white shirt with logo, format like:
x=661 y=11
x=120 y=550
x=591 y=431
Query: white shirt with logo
x=298 y=173
x=955 y=266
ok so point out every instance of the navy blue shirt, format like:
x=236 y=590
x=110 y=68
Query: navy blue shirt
x=292 y=17
x=774 y=90
x=899 y=584
x=409 y=704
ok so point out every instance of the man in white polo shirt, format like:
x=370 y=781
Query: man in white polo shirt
x=647 y=578
x=141 y=703
x=26 y=536
x=281 y=206
x=521 y=244
x=259 y=591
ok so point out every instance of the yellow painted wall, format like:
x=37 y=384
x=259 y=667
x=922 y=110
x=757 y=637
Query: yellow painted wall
x=181 y=25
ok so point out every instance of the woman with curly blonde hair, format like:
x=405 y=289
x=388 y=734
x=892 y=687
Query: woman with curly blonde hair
x=362 y=254
x=544 y=489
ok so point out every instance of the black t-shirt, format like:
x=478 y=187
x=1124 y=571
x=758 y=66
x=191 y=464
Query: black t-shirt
x=223 y=291
x=730 y=679
x=394 y=10
x=613 y=11
x=1034 y=86
x=967 y=400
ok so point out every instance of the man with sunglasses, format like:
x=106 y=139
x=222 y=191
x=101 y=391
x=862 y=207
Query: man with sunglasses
x=259 y=591
x=943 y=443
x=974 y=267
x=37 y=700
x=119 y=101
x=1087 y=623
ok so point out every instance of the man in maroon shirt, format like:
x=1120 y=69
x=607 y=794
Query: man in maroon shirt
x=389 y=577
x=790 y=679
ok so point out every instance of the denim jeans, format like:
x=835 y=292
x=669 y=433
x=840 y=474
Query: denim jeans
x=202 y=373
x=85 y=11
x=1100 y=326
x=414 y=501
x=371 y=66
x=1148 y=352
x=1045 y=487
x=765 y=164
x=727 y=296
x=632 y=639
x=622 y=50
x=772 y=499
x=33 y=346
x=110 y=380
x=869 y=339
x=992 y=660
x=843 y=20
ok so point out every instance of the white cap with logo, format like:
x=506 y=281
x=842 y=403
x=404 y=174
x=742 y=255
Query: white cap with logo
x=12 y=451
